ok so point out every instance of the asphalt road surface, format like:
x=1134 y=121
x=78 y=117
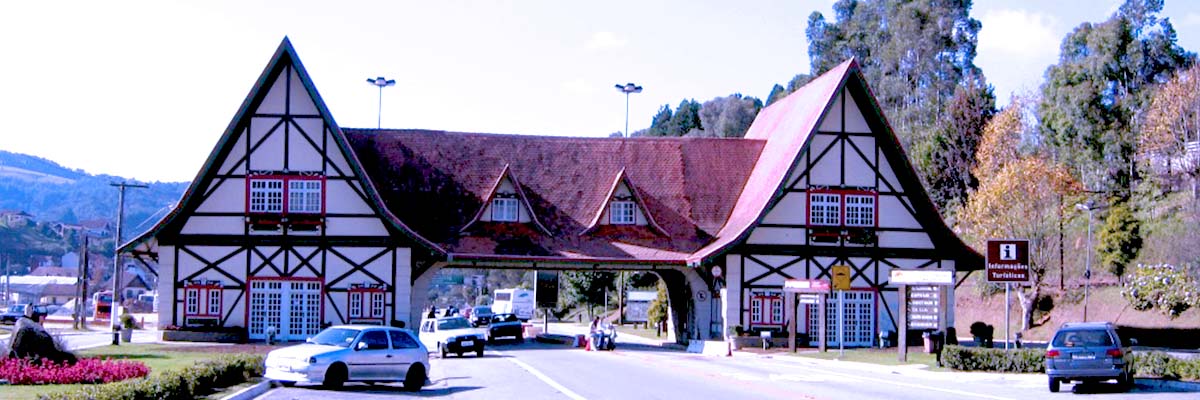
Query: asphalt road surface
x=544 y=371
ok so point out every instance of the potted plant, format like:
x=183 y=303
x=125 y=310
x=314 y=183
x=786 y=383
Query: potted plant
x=127 y=325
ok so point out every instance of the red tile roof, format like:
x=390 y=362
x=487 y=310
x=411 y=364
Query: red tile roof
x=435 y=181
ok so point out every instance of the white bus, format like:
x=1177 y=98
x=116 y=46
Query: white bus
x=515 y=301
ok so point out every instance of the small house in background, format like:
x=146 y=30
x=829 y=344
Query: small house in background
x=637 y=306
x=15 y=218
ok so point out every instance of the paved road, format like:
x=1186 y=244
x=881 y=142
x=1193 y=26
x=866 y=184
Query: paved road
x=542 y=371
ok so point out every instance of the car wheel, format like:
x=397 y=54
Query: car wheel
x=415 y=378
x=335 y=377
x=459 y=354
x=1054 y=382
x=443 y=349
x=479 y=352
x=1125 y=381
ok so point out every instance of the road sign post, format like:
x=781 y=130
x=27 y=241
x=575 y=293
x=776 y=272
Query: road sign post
x=805 y=287
x=1007 y=262
x=922 y=303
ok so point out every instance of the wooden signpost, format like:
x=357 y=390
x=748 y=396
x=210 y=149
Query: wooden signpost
x=807 y=287
x=922 y=296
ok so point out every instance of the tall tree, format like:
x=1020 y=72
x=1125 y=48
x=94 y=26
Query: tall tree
x=914 y=54
x=587 y=287
x=686 y=118
x=1091 y=97
x=1172 y=124
x=954 y=143
x=660 y=125
x=728 y=116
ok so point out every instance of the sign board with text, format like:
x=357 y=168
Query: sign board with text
x=841 y=277
x=1008 y=260
x=806 y=286
x=922 y=277
x=924 y=307
x=546 y=290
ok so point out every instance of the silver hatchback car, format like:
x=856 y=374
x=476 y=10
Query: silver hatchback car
x=364 y=353
x=1088 y=352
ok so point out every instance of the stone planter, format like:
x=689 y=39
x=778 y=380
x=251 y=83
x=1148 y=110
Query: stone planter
x=126 y=335
x=191 y=336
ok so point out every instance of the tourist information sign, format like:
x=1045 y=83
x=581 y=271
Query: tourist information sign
x=1008 y=260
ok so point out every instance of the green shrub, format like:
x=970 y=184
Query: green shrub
x=188 y=383
x=1163 y=365
x=997 y=360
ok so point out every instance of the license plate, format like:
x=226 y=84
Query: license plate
x=1084 y=356
x=466 y=343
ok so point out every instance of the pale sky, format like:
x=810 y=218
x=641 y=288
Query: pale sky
x=143 y=89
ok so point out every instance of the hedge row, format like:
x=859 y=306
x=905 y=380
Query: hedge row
x=1146 y=364
x=187 y=383
x=996 y=360
x=1163 y=365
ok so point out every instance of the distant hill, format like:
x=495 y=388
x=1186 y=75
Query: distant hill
x=51 y=192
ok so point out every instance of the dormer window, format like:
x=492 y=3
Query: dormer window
x=505 y=209
x=622 y=212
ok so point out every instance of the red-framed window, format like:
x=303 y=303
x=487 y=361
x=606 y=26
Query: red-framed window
x=202 y=301
x=766 y=309
x=366 y=302
x=843 y=208
x=298 y=199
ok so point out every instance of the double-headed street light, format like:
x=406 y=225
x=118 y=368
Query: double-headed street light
x=1088 y=206
x=382 y=83
x=627 y=89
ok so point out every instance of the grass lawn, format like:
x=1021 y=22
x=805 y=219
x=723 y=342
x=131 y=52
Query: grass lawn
x=890 y=356
x=159 y=357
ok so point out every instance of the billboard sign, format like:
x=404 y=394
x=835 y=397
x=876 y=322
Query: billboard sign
x=545 y=292
x=922 y=277
x=806 y=286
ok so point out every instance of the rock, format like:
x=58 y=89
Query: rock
x=30 y=339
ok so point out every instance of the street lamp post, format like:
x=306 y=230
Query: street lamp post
x=117 y=269
x=627 y=89
x=381 y=82
x=1088 y=206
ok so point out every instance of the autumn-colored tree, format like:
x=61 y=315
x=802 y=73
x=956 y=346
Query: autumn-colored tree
x=1018 y=197
x=1171 y=123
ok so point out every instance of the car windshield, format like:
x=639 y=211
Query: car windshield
x=340 y=337
x=1082 y=339
x=17 y=309
x=453 y=323
x=483 y=310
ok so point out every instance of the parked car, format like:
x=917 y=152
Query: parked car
x=505 y=325
x=451 y=335
x=343 y=353
x=481 y=315
x=16 y=311
x=1088 y=352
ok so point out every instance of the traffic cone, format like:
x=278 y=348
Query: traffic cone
x=728 y=349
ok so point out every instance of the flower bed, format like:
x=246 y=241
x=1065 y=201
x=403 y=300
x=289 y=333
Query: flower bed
x=25 y=371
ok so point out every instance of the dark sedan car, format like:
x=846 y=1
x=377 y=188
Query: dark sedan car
x=481 y=315
x=505 y=325
x=16 y=311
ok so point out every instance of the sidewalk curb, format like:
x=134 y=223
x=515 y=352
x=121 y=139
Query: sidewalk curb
x=908 y=369
x=251 y=392
x=1169 y=384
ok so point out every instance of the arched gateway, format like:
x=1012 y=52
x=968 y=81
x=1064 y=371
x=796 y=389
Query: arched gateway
x=294 y=222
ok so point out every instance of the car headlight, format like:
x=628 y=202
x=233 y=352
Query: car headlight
x=311 y=360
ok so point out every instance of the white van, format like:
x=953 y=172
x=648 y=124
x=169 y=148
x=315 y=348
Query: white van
x=514 y=301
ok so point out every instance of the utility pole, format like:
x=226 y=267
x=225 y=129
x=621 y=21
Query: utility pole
x=117 y=269
x=81 y=301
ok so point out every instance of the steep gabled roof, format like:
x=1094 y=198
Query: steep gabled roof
x=788 y=126
x=285 y=55
x=507 y=174
x=435 y=181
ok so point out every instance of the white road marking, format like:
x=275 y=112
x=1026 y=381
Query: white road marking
x=562 y=389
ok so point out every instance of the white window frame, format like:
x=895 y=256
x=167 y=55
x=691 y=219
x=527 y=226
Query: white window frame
x=860 y=210
x=304 y=196
x=622 y=212
x=356 y=304
x=266 y=195
x=376 y=304
x=505 y=209
x=191 y=301
x=766 y=309
x=824 y=209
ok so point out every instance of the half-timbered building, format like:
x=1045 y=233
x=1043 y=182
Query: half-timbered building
x=294 y=222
